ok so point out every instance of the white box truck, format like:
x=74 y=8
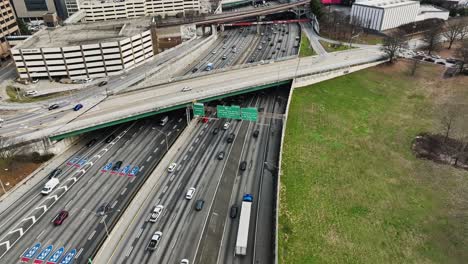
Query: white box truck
x=244 y=223
x=50 y=185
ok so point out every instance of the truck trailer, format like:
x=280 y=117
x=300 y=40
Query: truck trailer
x=244 y=223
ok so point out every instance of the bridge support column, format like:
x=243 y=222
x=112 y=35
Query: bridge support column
x=222 y=27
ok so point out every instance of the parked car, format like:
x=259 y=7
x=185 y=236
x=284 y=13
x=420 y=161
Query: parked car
x=243 y=166
x=199 y=205
x=102 y=83
x=110 y=138
x=55 y=173
x=77 y=107
x=194 y=70
x=35 y=81
x=221 y=155
x=60 y=217
x=233 y=212
x=54 y=106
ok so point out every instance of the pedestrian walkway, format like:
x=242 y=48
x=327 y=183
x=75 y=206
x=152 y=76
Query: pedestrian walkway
x=314 y=39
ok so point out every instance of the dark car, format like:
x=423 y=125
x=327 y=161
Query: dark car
x=55 y=173
x=103 y=209
x=117 y=165
x=91 y=143
x=102 y=83
x=255 y=133
x=60 y=217
x=221 y=155
x=199 y=205
x=215 y=131
x=243 y=165
x=77 y=107
x=194 y=70
x=234 y=210
x=230 y=138
x=54 y=106
x=110 y=138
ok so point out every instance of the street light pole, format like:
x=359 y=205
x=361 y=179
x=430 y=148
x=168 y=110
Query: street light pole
x=1 y=182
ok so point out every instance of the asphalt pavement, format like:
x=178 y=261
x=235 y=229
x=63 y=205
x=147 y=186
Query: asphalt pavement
x=140 y=144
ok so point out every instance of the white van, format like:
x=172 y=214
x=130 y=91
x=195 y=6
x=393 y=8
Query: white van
x=226 y=125
x=156 y=213
x=163 y=121
x=50 y=185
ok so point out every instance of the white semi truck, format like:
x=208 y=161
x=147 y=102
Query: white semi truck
x=244 y=223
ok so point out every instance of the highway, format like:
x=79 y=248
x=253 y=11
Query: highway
x=214 y=180
x=38 y=115
x=206 y=86
x=84 y=188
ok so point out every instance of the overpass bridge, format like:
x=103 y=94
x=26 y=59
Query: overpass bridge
x=165 y=97
x=234 y=16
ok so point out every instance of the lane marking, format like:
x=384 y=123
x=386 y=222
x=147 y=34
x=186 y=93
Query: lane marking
x=165 y=189
x=123 y=192
x=139 y=233
x=92 y=234
x=185 y=157
x=149 y=158
x=129 y=251
x=79 y=253
x=115 y=203
x=172 y=177
x=155 y=150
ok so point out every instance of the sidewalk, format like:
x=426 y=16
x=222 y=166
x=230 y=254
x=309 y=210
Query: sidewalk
x=314 y=39
x=118 y=232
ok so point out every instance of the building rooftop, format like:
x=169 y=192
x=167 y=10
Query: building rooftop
x=386 y=3
x=431 y=8
x=87 y=33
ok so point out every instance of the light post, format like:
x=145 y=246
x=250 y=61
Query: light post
x=167 y=145
x=103 y=219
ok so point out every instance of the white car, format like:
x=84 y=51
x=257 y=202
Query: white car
x=31 y=93
x=172 y=167
x=226 y=125
x=185 y=261
x=156 y=213
x=186 y=89
x=190 y=193
x=213 y=52
x=35 y=81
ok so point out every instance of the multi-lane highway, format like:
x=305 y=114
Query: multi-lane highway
x=219 y=183
x=87 y=182
x=240 y=45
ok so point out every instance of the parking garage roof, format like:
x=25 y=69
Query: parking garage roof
x=87 y=33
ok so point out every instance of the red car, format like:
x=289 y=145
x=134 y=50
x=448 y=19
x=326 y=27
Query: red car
x=60 y=217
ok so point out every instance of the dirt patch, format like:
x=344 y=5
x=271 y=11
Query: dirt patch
x=444 y=52
x=441 y=149
x=15 y=170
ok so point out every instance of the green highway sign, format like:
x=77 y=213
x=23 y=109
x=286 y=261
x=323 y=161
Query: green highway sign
x=198 y=109
x=229 y=111
x=249 y=114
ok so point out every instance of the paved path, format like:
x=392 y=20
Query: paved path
x=314 y=39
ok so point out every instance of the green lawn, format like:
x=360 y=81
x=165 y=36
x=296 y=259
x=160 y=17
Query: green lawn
x=352 y=191
x=305 y=49
x=329 y=47
x=25 y=99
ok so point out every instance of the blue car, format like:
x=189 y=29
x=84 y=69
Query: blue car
x=78 y=107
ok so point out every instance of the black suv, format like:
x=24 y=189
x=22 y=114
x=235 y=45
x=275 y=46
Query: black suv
x=243 y=165
x=117 y=165
x=55 y=173
x=110 y=138
x=230 y=138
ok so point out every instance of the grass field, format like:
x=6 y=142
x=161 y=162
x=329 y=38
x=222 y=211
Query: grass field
x=305 y=49
x=352 y=191
x=329 y=47
x=10 y=90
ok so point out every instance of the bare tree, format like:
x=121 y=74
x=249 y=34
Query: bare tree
x=414 y=67
x=432 y=38
x=463 y=33
x=393 y=43
x=448 y=121
x=452 y=31
x=463 y=55
x=356 y=26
